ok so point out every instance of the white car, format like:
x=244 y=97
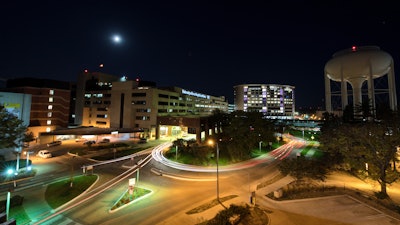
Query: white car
x=44 y=154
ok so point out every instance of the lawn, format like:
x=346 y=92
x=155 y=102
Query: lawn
x=61 y=192
x=18 y=213
x=308 y=135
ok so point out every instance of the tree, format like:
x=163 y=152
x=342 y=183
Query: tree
x=219 y=120
x=348 y=113
x=243 y=133
x=368 y=148
x=302 y=167
x=12 y=130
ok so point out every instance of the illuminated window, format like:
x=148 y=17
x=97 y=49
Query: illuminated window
x=48 y=122
x=48 y=129
x=49 y=114
x=51 y=92
x=50 y=107
x=50 y=99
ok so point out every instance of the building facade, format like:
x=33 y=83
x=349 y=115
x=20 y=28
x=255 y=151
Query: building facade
x=273 y=100
x=121 y=103
x=138 y=106
x=93 y=93
x=49 y=103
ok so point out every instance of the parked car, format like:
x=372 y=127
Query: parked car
x=105 y=140
x=89 y=142
x=54 y=143
x=44 y=154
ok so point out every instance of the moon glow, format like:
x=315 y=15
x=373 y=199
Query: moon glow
x=116 y=39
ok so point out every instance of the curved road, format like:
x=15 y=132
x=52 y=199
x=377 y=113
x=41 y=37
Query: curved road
x=172 y=197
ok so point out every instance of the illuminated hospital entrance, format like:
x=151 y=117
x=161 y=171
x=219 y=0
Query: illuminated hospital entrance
x=171 y=128
x=176 y=132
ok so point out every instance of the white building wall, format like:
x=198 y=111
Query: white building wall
x=18 y=104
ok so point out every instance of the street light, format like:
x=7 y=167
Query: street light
x=176 y=153
x=260 y=145
x=211 y=142
x=27 y=153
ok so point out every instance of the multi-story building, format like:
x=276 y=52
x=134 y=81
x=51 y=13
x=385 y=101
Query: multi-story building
x=108 y=101
x=92 y=102
x=273 y=100
x=50 y=102
x=137 y=105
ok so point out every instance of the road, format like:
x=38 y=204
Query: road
x=170 y=198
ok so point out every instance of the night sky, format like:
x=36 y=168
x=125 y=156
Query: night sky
x=204 y=46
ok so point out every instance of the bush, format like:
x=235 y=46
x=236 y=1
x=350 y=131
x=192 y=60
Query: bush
x=14 y=201
x=233 y=214
x=380 y=195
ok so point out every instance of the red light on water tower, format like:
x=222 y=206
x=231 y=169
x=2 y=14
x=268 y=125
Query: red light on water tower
x=86 y=71
x=353 y=48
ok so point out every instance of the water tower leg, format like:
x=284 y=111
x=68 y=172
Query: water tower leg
x=356 y=84
x=392 y=88
x=343 y=89
x=328 y=103
x=371 y=90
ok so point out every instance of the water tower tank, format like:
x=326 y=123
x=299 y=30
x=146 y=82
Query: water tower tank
x=355 y=66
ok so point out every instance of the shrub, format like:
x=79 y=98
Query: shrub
x=14 y=201
x=234 y=213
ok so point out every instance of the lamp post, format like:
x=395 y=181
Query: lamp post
x=8 y=205
x=27 y=159
x=176 y=153
x=260 y=145
x=27 y=153
x=212 y=143
x=17 y=163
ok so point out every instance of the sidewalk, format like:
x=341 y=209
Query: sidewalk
x=330 y=210
x=242 y=199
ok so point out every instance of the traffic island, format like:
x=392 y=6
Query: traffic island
x=129 y=198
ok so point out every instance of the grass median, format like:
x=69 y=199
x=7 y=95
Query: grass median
x=61 y=192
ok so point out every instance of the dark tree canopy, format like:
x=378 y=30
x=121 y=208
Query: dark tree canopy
x=244 y=132
x=365 y=147
x=12 y=130
x=302 y=167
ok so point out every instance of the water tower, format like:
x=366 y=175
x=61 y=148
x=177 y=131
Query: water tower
x=354 y=66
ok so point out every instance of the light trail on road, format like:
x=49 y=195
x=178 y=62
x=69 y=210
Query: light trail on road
x=93 y=193
x=279 y=153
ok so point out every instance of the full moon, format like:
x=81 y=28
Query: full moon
x=116 y=39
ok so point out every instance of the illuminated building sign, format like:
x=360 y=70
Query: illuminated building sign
x=192 y=93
